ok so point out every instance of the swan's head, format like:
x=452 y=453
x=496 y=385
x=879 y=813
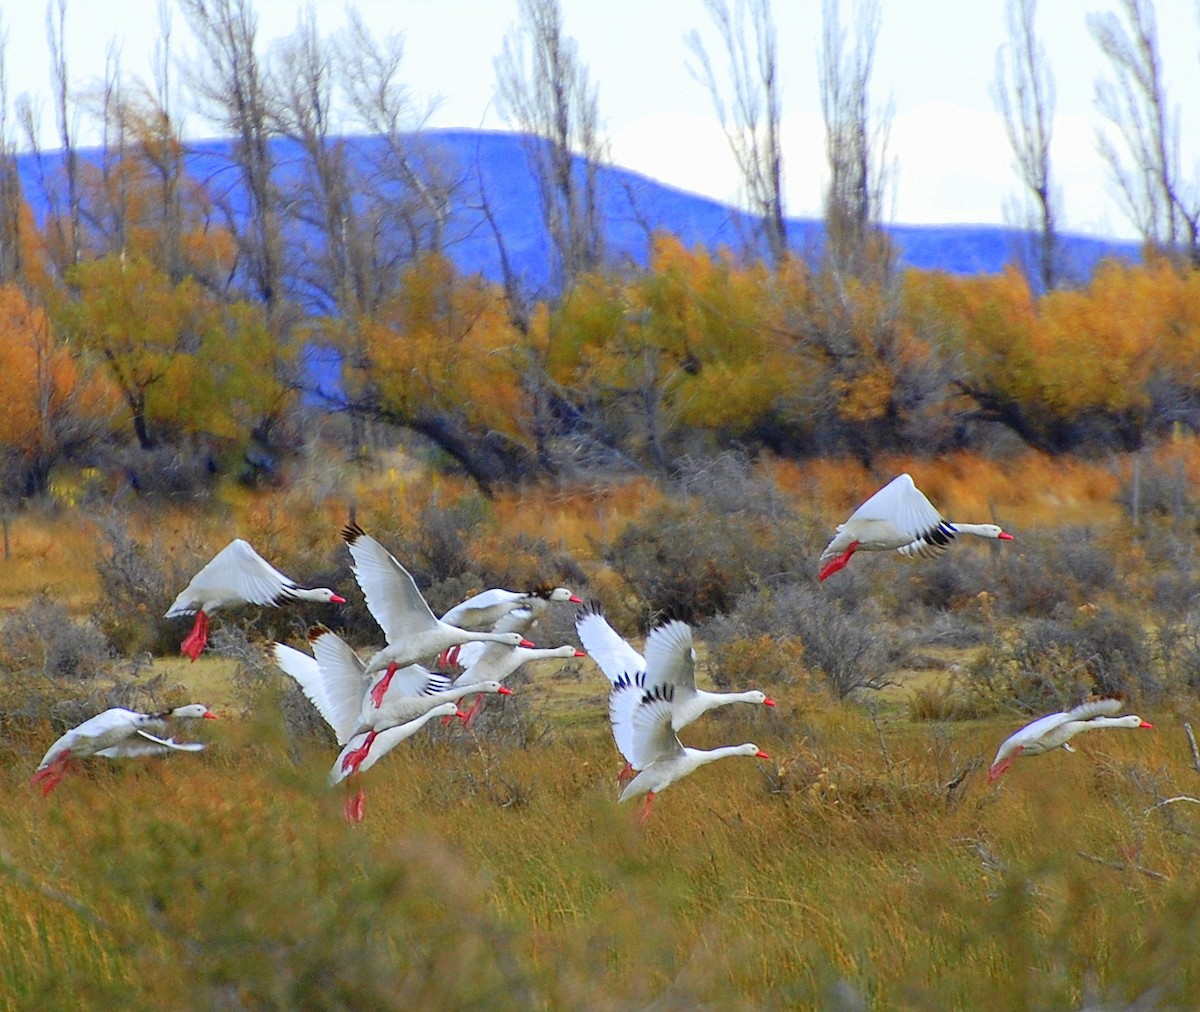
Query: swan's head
x=193 y=711
x=751 y=749
x=994 y=531
x=512 y=639
x=491 y=685
x=328 y=596
x=754 y=696
x=445 y=710
x=1132 y=720
x=555 y=594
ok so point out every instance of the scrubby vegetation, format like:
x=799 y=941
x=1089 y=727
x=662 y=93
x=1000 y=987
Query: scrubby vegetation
x=866 y=862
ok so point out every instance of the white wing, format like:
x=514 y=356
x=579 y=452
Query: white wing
x=391 y=593
x=627 y=693
x=387 y=740
x=478 y=610
x=901 y=503
x=236 y=574
x=342 y=673
x=307 y=673
x=653 y=739
x=670 y=656
x=614 y=656
x=148 y=744
x=1094 y=708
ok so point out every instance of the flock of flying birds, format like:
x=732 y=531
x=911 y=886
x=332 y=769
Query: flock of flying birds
x=375 y=704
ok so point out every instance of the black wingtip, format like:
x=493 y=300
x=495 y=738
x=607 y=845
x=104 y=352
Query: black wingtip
x=590 y=607
x=352 y=532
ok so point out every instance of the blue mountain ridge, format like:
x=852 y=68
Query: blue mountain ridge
x=632 y=205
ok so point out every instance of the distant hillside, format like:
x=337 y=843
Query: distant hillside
x=633 y=205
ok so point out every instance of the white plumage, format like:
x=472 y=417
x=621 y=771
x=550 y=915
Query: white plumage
x=412 y=630
x=236 y=575
x=1055 y=730
x=641 y=722
x=335 y=679
x=898 y=517
x=114 y=734
x=670 y=660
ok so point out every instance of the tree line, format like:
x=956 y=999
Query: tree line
x=152 y=308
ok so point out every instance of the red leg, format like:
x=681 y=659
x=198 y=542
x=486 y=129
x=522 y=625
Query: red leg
x=52 y=775
x=470 y=714
x=833 y=565
x=354 y=806
x=646 y=809
x=380 y=688
x=195 y=641
x=625 y=774
x=355 y=756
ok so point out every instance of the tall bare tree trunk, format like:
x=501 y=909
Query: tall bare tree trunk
x=751 y=117
x=1024 y=91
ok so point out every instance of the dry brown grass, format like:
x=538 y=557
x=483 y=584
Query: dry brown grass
x=867 y=861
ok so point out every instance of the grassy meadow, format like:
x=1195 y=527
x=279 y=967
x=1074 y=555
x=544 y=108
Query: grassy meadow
x=867 y=864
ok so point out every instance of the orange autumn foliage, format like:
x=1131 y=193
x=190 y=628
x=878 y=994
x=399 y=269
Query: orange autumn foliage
x=42 y=388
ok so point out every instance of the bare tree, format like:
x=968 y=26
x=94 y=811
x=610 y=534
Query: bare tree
x=408 y=174
x=751 y=116
x=855 y=145
x=1024 y=91
x=1144 y=154
x=60 y=183
x=229 y=81
x=545 y=92
x=11 y=200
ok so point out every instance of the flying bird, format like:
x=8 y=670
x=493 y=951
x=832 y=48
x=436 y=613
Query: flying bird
x=641 y=725
x=670 y=660
x=237 y=574
x=412 y=630
x=1056 y=730
x=898 y=517
x=116 y=733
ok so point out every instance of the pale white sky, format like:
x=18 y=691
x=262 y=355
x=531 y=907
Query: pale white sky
x=935 y=64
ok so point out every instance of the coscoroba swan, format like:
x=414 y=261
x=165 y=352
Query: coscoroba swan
x=643 y=734
x=1057 y=729
x=116 y=733
x=898 y=517
x=495 y=661
x=670 y=660
x=237 y=574
x=336 y=680
x=413 y=632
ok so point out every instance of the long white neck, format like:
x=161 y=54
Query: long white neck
x=711 y=700
x=701 y=756
x=1130 y=720
x=979 y=530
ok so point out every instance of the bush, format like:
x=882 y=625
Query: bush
x=1043 y=665
x=850 y=650
x=140 y=581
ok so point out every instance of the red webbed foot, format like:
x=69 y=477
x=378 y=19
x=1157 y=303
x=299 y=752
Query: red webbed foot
x=833 y=565
x=354 y=806
x=379 y=689
x=354 y=758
